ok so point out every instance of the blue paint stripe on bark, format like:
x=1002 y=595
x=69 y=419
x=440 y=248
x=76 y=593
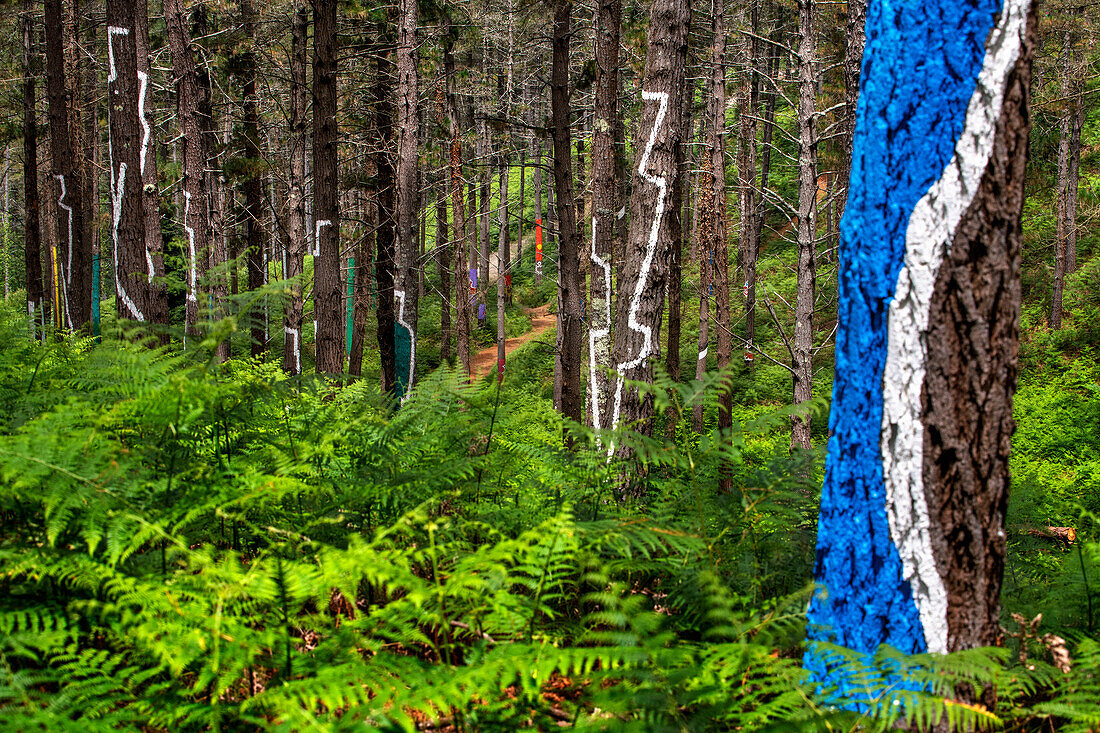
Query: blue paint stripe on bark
x=919 y=71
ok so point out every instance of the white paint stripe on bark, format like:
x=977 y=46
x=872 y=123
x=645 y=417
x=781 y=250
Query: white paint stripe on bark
x=143 y=83
x=193 y=280
x=399 y=297
x=116 y=217
x=317 y=226
x=297 y=336
x=67 y=279
x=647 y=262
x=597 y=337
x=931 y=228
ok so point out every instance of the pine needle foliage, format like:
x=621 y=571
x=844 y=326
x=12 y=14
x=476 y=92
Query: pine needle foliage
x=189 y=546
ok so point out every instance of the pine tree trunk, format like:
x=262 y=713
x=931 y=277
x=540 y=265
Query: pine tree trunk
x=1071 y=185
x=482 y=262
x=676 y=223
x=462 y=289
x=502 y=265
x=385 y=271
x=722 y=310
x=326 y=224
x=255 y=234
x=74 y=259
x=570 y=326
x=195 y=194
x=802 y=339
x=156 y=292
x=638 y=313
x=854 y=39
x=296 y=204
x=131 y=265
x=911 y=543
x=604 y=200
x=32 y=236
x=407 y=288
x=443 y=265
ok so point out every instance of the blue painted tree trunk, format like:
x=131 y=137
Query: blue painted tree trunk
x=914 y=492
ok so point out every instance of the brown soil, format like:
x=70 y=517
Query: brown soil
x=485 y=361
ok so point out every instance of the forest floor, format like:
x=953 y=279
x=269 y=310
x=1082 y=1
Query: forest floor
x=485 y=360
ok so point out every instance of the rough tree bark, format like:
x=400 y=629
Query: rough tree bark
x=407 y=288
x=296 y=180
x=570 y=326
x=458 y=207
x=156 y=292
x=802 y=338
x=604 y=189
x=32 y=236
x=126 y=143
x=255 y=233
x=74 y=257
x=638 y=312
x=385 y=269
x=443 y=265
x=911 y=541
x=195 y=193
x=722 y=311
x=326 y=224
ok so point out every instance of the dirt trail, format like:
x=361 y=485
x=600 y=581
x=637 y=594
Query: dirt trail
x=485 y=361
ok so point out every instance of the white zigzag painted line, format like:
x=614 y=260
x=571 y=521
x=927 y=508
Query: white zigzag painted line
x=598 y=334
x=931 y=228
x=647 y=263
x=143 y=80
x=193 y=280
x=118 y=182
x=67 y=280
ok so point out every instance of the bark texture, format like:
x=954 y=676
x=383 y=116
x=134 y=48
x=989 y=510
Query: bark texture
x=970 y=382
x=32 y=236
x=296 y=203
x=407 y=288
x=570 y=326
x=604 y=199
x=638 y=313
x=326 y=224
x=193 y=142
x=75 y=256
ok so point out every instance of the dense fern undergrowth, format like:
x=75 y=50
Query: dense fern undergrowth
x=187 y=545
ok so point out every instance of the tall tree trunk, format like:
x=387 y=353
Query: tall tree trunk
x=296 y=205
x=911 y=543
x=89 y=71
x=676 y=223
x=854 y=39
x=255 y=234
x=326 y=224
x=458 y=206
x=722 y=310
x=74 y=260
x=802 y=339
x=193 y=142
x=705 y=236
x=156 y=294
x=32 y=235
x=750 y=198
x=1072 y=183
x=363 y=258
x=503 y=276
x=570 y=327
x=604 y=199
x=638 y=317
x=484 y=156
x=443 y=265
x=407 y=290
x=126 y=143
x=386 y=257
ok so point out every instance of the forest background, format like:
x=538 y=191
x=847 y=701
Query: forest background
x=198 y=533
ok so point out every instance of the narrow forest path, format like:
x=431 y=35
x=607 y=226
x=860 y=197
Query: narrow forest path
x=485 y=361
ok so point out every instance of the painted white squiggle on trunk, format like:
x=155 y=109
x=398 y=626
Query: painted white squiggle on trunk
x=399 y=297
x=317 y=226
x=119 y=186
x=118 y=181
x=193 y=280
x=928 y=237
x=651 y=249
x=597 y=337
x=67 y=280
x=703 y=354
x=143 y=83
x=297 y=336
